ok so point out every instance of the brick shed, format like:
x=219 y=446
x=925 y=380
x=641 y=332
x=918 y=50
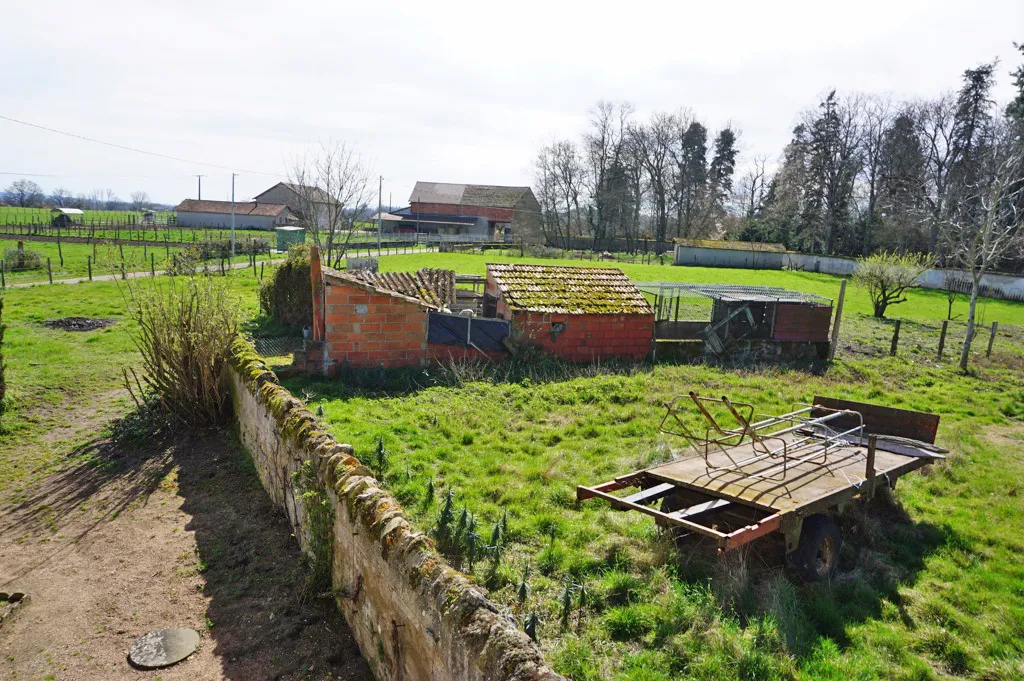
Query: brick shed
x=581 y=314
x=393 y=319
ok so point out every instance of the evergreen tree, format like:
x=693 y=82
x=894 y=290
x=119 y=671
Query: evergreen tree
x=902 y=184
x=720 y=172
x=1015 y=109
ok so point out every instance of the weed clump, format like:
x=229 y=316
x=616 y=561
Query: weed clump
x=185 y=333
x=21 y=258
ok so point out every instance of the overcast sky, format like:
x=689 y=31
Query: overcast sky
x=444 y=91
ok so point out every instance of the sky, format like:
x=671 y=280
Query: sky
x=444 y=91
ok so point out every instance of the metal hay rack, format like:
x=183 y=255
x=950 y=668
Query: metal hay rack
x=804 y=435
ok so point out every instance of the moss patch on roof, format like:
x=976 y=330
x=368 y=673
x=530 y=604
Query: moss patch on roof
x=568 y=290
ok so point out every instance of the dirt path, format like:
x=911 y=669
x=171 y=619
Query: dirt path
x=176 y=535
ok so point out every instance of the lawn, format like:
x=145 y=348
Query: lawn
x=929 y=584
x=60 y=384
x=106 y=259
x=13 y=215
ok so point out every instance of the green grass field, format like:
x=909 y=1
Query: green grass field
x=929 y=585
x=62 y=386
x=107 y=260
x=13 y=215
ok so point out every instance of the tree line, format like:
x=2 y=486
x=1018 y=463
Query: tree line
x=26 y=193
x=625 y=179
x=861 y=174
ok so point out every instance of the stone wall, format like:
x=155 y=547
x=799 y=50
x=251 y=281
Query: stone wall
x=413 y=616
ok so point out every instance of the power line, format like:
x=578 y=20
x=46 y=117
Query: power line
x=127 y=148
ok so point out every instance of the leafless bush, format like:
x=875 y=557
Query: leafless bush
x=185 y=331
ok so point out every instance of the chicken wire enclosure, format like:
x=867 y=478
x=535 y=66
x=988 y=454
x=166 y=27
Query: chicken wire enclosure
x=721 y=313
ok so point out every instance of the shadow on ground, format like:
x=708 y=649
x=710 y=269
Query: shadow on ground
x=264 y=621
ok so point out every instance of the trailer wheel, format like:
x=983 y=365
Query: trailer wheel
x=817 y=554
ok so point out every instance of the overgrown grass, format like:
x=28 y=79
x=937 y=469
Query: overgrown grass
x=928 y=588
x=62 y=385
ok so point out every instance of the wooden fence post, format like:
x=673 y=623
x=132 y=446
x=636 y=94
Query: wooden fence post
x=152 y=265
x=895 y=338
x=942 y=337
x=49 y=270
x=992 y=338
x=838 y=320
x=3 y=274
x=869 y=472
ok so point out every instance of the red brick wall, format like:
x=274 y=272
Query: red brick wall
x=499 y=214
x=588 y=337
x=443 y=354
x=366 y=329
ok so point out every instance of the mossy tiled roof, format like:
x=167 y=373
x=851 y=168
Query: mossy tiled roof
x=568 y=290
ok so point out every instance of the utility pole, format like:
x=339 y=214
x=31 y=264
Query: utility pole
x=200 y=179
x=233 y=176
x=380 y=193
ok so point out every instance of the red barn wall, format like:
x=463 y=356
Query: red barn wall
x=366 y=329
x=587 y=337
x=497 y=214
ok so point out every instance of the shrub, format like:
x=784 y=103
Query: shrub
x=22 y=259
x=287 y=296
x=887 y=276
x=185 y=331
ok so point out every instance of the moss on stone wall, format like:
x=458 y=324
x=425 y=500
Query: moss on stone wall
x=489 y=641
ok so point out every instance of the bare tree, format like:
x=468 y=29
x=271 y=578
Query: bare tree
x=604 y=179
x=752 y=189
x=333 y=192
x=61 y=197
x=653 y=144
x=936 y=120
x=140 y=201
x=876 y=116
x=986 y=224
x=110 y=200
x=24 y=193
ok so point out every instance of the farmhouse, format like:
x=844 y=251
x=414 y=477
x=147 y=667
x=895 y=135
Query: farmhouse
x=248 y=214
x=468 y=210
x=297 y=197
x=580 y=314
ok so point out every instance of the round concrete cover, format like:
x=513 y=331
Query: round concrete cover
x=163 y=647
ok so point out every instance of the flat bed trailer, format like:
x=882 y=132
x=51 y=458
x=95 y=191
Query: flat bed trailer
x=766 y=474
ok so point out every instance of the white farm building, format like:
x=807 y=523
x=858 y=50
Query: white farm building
x=249 y=214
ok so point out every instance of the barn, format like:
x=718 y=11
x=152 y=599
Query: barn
x=580 y=314
x=248 y=214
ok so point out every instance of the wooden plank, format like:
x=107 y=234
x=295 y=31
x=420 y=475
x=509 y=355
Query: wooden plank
x=916 y=425
x=623 y=504
x=802 y=483
x=650 y=494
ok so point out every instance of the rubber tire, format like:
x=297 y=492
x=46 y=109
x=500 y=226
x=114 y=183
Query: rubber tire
x=817 y=555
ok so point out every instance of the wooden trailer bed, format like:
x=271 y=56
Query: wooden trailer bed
x=746 y=482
